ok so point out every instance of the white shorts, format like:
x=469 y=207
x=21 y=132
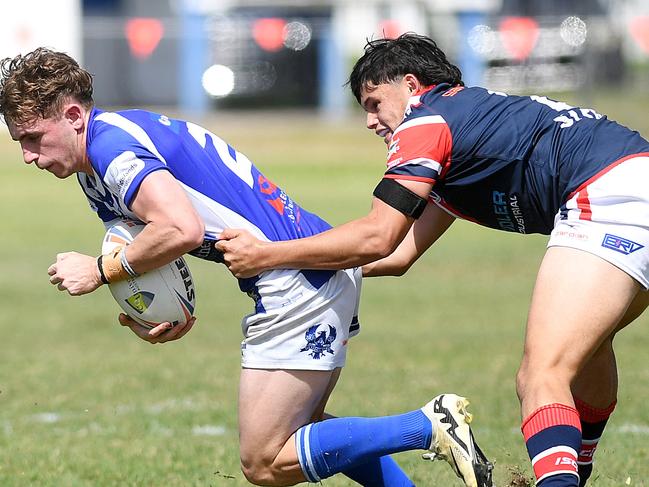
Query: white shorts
x=301 y=326
x=609 y=217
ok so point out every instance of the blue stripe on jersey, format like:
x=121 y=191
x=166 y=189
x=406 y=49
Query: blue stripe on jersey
x=125 y=146
x=414 y=171
x=226 y=189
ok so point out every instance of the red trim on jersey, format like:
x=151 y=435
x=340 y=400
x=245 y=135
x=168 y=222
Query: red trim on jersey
x=590 y=414
x=426 y=89
x=605 y=170
x=550 y=415
x=427 y=141
x=410 y=178
x=583 y=203
x=453 y=91
x=445 y=168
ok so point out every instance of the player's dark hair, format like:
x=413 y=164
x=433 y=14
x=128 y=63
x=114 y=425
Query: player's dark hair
x=388 y=60
x=38 y=83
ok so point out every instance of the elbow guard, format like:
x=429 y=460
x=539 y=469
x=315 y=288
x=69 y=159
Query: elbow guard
x=400 y=198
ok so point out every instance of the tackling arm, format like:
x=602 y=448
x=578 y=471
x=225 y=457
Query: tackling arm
x=424 y=233
x=353 y=244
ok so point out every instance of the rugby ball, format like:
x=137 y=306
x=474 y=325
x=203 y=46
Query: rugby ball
x=160 y=295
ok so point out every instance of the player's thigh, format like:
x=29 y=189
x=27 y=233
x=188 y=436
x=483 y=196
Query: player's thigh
x=579 y=300
x=635 y=309
x=273 y=404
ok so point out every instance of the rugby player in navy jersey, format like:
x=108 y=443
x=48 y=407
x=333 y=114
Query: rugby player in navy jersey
x=187 y=185
x=519 y=164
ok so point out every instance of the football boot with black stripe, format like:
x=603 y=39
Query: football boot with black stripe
x=453 y=440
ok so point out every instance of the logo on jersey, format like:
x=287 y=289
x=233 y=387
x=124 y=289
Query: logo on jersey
x=278 y=199
x=319 y=342
x=619 y=244
x=508 y=212
x=122 y=171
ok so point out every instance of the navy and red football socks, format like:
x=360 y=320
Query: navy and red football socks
x=553 y=438
x=593 y=422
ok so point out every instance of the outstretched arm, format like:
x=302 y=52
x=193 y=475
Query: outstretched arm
x=352 y=244
x=424 y=233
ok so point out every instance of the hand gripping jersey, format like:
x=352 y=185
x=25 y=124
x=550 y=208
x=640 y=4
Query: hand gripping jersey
x=225 y=188
x=506 y=162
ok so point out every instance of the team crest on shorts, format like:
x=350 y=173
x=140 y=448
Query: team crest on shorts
x=619 y=244
x=319 y=342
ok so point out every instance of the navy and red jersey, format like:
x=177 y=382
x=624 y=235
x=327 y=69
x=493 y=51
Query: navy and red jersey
x=506 y=162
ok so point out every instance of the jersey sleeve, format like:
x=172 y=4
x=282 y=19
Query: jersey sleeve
x=420 y=149
x=122 y=154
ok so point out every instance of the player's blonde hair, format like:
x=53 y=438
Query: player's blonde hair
x=37 y=84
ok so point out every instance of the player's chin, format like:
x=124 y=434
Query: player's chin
x=60 y=174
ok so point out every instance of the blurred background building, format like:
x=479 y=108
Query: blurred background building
x=201 y=55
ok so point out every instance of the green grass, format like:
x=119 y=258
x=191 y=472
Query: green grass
x=83 y=402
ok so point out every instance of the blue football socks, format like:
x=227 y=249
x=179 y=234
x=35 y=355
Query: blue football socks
x=379 y=472
x=345 y=444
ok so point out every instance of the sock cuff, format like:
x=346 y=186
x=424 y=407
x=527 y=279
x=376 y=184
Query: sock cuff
x=591 y=414
x=550 y=415
x=304 y=457
x=416 y=430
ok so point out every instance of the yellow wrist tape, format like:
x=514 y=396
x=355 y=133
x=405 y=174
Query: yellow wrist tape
x=111 y=264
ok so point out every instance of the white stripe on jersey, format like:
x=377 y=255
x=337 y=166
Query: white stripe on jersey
x=132 y=129
x=241 y=166
x=217 y=217
x=420 y=161
x=431 y=119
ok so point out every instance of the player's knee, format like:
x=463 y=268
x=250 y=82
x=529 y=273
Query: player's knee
x=258 y=470
x=254 y=473
x=522 y=379
x=535 y=375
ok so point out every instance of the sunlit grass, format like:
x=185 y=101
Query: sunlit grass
x=83 y=402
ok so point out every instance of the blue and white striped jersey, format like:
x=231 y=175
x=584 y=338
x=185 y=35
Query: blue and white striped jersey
x=225 y=188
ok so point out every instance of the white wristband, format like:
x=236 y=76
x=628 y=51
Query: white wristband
x=126 y=265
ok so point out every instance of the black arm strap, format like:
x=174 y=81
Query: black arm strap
x=400 y=198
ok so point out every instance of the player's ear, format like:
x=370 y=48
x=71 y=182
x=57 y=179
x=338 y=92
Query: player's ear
x=413 y=83
x=75 y=115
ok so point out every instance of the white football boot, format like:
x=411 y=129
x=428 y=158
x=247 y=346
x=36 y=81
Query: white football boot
x=453 y=440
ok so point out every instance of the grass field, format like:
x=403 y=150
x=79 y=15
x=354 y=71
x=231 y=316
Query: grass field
x=83 y=402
